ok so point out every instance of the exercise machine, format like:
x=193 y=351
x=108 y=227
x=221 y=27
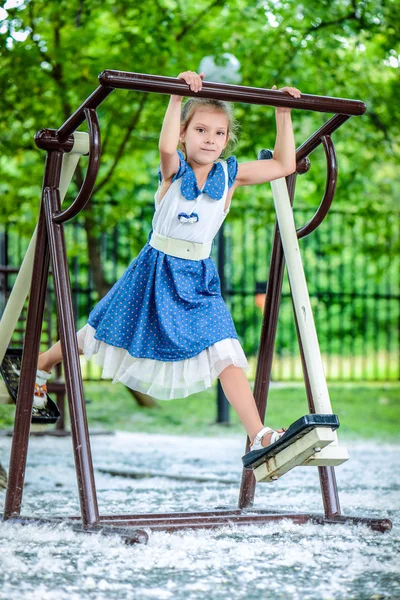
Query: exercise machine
x=64 y=146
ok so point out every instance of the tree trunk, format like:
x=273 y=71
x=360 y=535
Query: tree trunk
x=94 y=253
x=93 y=242
x=143 y=399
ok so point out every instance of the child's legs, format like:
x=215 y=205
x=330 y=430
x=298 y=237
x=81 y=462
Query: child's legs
x=237 y=389
x=51 y=357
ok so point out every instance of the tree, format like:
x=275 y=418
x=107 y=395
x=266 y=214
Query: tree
x=52 y=52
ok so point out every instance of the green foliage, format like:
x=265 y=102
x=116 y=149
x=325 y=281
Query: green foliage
x=51 y=53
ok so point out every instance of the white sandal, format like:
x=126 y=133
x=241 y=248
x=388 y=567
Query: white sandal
x=257 y=443
x=40 y=394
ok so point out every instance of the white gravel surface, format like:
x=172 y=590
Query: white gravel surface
x=278 y=560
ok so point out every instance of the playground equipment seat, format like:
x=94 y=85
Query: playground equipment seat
x=10 y=370
x=11 y=365
x=305 y=437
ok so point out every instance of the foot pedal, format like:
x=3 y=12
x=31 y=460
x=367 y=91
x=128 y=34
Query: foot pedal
x=305 y=437
x=10 y=369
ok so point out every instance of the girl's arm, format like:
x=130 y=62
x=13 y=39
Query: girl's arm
x=284 y=161
x=170 y=131
x=169 y=138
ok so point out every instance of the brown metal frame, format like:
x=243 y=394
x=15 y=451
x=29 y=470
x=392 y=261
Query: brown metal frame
x=51 y=246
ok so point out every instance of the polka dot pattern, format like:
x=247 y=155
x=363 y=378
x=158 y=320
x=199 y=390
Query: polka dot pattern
x=164 y=308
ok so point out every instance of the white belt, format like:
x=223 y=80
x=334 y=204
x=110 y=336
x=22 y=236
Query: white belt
x=180 y=248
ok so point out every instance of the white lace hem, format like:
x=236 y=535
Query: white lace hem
x=164 y=380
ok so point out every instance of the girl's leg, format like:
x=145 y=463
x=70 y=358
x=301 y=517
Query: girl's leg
x=237 y=389
x=51 y=357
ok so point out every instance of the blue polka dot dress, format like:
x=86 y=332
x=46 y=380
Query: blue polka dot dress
x=163 y=328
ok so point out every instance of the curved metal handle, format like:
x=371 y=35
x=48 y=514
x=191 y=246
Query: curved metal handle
x=86 y=190
x=331 y=181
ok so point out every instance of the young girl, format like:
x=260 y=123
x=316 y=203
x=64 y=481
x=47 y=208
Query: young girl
x=164 y=329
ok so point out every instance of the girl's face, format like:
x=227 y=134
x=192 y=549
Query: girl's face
x=206 y=136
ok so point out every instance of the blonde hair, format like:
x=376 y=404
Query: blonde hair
x=190 y=107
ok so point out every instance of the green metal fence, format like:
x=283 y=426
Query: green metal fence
x=352 y=270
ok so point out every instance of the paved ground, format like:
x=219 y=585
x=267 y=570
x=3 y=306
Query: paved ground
x=276 y=561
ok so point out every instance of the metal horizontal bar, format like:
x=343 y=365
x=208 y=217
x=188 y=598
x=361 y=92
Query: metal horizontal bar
x=120 y=524
x=205 y=522
x=129 y=535
x=110 y=80
x=234 y=93
x=172 y=526
x=208 y=513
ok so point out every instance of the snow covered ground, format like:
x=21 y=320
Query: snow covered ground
x=279 y=560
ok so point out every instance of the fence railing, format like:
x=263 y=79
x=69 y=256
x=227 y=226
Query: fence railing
x=352 y=271
x=352 y=268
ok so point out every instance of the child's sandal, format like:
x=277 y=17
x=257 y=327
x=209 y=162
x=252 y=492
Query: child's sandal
x=40 y=393
x=257 y=443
